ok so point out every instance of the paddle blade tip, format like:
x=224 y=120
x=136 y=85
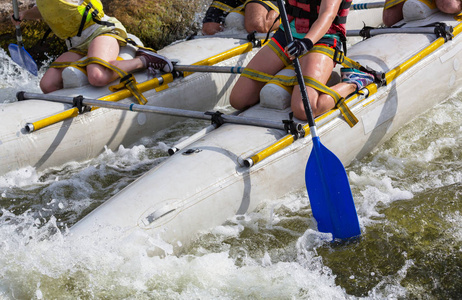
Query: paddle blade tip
x=330 y=194
x=20 y=56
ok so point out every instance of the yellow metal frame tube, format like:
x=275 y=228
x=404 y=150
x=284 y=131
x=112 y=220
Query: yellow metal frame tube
x=390 y=76
x=144 y=86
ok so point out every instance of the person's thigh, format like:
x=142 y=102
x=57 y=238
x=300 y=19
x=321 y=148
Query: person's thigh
x=393 y=14
x=246 y=92
x=106 y=48
x=319 y=67
x=255 y=17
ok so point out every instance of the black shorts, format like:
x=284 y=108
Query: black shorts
x=217 y=15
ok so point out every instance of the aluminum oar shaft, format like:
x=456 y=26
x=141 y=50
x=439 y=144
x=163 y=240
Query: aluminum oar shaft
x=157 y=109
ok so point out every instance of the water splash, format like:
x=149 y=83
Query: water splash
x=14 y=78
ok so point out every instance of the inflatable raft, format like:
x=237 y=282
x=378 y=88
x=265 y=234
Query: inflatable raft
x=230 y=170
x=44 y=134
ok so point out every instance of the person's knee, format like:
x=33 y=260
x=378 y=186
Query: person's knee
x=210 y=28
x=390 y=19
x=48 y=87
x=235 y=99
x=449 y=6
x=97 y=78
x=298 y=110
x=251 y=26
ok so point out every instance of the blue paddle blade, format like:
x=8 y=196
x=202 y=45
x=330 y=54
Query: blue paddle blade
x=20 y=56
x=330 y=193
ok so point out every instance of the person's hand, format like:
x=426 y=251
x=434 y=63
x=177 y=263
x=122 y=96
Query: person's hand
x=17 y=21
x=298 y=47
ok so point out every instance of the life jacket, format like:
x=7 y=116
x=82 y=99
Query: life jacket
x=67 y=20
x=306 y=12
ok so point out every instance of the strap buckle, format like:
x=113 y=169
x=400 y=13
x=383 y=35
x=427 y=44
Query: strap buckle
x=339 y=56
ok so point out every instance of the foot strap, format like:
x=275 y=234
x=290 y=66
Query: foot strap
x=127 y=79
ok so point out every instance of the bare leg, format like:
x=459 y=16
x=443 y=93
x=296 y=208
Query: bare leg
x=449 y=6
x=393 y=14
x=246 y=92
x=319 y=67
x=210 y=28
x=52 y=80
x=258 y=18
x=107 y=48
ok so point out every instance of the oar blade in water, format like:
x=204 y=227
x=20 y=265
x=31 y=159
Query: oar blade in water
x=330 y=193
x=20 y=56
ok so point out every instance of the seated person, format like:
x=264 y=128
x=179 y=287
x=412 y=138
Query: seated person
x=395 y=10
x=87 y=31
x=259 y=15
x=322 y=28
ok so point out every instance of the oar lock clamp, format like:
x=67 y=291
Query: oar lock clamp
x=251 y=38
x=77 y=102
x=443 y=30
x=296 y=129
x=176 y=73
x=216 y=117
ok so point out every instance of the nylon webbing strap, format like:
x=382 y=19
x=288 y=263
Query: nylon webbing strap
x=285 y=81
x=221 y=6
x=339 y=100
x=127 y=79
x=256 y=75
x=337 y=56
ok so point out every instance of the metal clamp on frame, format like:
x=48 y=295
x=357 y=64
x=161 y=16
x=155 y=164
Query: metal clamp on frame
x=216 y=117
x=77 y=102
x=296 y=129
x=379 y=77
x=443 y=30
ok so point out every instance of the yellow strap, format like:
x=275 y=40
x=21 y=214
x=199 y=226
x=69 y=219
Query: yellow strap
x=273 y=7
x=256 y=75
x=222 y=6
x=290 y=81
x=336 y=56
x=339 y=100
x=127 y=79
x=390 y=4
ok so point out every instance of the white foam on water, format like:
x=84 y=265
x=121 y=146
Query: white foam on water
x=13 y=78
x=43 y=262
x=37 y=260
x=455 y=219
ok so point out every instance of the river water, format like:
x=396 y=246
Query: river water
x=407 y=193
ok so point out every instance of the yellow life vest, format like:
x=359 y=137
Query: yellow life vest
x=67 y=20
